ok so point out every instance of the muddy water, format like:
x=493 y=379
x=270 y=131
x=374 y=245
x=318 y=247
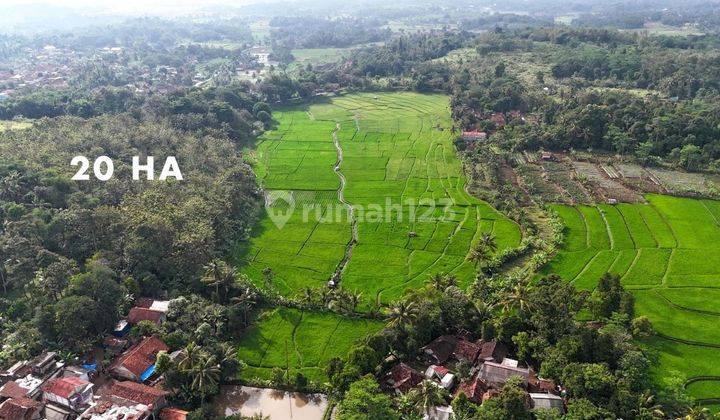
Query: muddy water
x=279 y=405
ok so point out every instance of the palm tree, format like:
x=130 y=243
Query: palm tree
x=517 y=298
x=479 y=254
x=437 y=281
x=488 y=241
x=205 y=374
x=308 y=296
x=427 y=396
x=648 y=408
x=698 y=413
x=354 y=300
x=221 y=276
x=189 y=356
x=403 y=313
x=246 y=300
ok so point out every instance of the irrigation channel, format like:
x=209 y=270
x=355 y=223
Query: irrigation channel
x=351 y=210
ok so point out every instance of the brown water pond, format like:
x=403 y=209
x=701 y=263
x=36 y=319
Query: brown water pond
x=277 y=404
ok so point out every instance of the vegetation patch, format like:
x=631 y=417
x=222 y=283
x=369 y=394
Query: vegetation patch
x=665 y=253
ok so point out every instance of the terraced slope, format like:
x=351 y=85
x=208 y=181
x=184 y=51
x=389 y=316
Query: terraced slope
x=667 y=253
x=403 y=180
x=300 y=342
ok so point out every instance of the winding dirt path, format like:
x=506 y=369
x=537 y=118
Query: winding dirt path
x=351 y=210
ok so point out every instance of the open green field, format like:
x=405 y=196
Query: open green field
x=299 y=342
x=667 y=253
x=405 y=184
x=14 y=125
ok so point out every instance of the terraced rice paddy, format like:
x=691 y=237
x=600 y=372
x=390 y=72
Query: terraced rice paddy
x=403 y=181
x=400 y=215
x=667 y=253
x=298 y=341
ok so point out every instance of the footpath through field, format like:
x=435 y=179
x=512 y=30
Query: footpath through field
x=367 y=190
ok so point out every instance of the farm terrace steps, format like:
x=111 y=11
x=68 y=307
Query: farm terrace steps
x=396 y=148
x=667 y=253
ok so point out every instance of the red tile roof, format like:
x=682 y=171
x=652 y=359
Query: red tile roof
x=140 y=356
x=171 y=413
x=473 y=389
x=13 y=390
x=440 y=349
x=18 y=408
x=144 y=302
x=466 y=350
x=492 y=350
x=441 y=371
x=64 y=387
x=404 y=377
x=139 y=393
x=138 y=314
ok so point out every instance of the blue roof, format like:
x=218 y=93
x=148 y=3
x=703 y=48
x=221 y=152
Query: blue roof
x=148 y=373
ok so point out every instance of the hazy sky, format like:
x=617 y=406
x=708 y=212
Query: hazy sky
x=130 y=6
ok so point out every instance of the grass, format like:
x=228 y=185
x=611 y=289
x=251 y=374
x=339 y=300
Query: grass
x=666 y=254
x=403 y=179
x=299 y=342
x=14 y=125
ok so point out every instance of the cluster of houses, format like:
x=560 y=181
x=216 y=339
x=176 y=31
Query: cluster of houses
x=490 y=369
x=498 y=120
x=56 y=67
x=126 y=388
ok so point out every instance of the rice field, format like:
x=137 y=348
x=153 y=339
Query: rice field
x=667 y=253
x=403 y=181
x=299 y=342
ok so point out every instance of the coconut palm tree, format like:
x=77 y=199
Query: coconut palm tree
x=427 y=396
x=220 y=276
x=205 y=375
x=647 y=408
x=488 y=241
x=517 y=298
x=308 y=296
x=246 y=300
x=403 y=313
x=479 y=254
x=437 y=281
x=354 y=300
x=189 y=356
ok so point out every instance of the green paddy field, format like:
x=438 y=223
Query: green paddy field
x=667 y=253
x=411 y=216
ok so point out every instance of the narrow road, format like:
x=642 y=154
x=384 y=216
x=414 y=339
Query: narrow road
x=351 y=210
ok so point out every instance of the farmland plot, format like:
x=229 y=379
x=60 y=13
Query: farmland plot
x=405 y=184
x=299 y=342
x=411 y=218
x=666 y=253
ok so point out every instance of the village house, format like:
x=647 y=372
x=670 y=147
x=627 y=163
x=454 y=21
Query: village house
x=144 y=314
x=549 y=401
x=172 y=413
x=71 y=392
x=473 y=389
x=498 y=119
x=20 y=409
x=444 y=347
x=470 y=136
x=498 y=373
x=128 y=400
x=401 y=378
x=147 y=309
x=492 y=351
x=138 y=362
